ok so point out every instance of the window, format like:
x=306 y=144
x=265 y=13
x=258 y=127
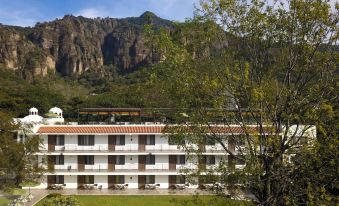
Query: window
x=89 y=179
x=209 y=141
x=181 y=159
x=150 y=159
x=120 y=179
x=120 y=160
x=86 y=140
x=150 y=140
x=89 y=160
x=60 y=140
x=59 y=179
x=150 y=179
x=210 y=159
x=176 y=141
x=180 y=179
x=120 y=140
x=59 y=160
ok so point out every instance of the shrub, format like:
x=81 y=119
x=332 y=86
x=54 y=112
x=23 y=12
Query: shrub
x=57 y=199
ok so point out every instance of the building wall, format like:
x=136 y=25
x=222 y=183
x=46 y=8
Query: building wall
x=131 y=143
x=101 y=180
x=131 y=162
x=161 y=163
x=70 y=162
x=100 y=163
x=162 y=180
x=71 y=142
x=132 y=181
x=71 y=181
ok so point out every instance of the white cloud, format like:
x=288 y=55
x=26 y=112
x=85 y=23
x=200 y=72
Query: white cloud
x=92 y=13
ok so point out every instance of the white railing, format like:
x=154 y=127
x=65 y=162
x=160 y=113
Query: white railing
x=187 y=166
x=66 y=167
x=57 y=147
x=128 y=166
x=162 y=147
x=157 y=166
x=74 y=147
x=96 y=167
x=127 y=147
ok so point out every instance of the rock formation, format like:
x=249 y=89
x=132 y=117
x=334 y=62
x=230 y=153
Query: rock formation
x=72 y=45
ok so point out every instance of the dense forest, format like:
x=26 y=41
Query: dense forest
x=91 y=89
x=76 y=62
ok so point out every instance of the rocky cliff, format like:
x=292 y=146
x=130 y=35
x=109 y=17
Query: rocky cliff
x=72 y=45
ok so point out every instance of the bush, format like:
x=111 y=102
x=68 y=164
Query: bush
x=53 y=195
x=57 y=199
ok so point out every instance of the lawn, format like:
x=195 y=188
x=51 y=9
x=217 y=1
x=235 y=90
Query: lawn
x=13 y=192
x=88 y=200
x=3 y=201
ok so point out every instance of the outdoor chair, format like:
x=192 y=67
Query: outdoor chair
x=181 y=186
x=151 y=186
x=120 y=186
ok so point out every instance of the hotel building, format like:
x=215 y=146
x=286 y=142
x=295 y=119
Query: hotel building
x=113 y=154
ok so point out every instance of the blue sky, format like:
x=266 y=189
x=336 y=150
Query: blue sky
x=29 y=12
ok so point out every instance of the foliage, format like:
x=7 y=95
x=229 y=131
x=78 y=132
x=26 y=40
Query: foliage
x=57 y=199
x=4 y=201
x=262 y=65
x=17 y=160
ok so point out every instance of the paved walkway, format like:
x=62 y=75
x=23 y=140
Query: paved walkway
x=39 y=194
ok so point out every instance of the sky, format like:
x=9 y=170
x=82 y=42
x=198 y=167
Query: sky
x=29 y=12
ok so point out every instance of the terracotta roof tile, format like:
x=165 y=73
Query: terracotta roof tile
x=99 y=129
x=129 y=129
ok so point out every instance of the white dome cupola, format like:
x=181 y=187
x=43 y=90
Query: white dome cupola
x=33 y=111
x=32 y=117
x=57 y=111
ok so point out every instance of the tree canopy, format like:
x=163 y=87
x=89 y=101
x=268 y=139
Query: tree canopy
x=268 y=65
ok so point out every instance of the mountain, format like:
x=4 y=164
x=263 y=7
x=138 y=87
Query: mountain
x=72 y=45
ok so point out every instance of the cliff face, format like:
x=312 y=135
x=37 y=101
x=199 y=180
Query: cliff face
x=74 y=44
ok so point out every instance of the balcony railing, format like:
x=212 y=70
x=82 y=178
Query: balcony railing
x=117 y=170
x=124 y=148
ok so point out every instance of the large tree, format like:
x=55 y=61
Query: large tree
x=271 y=65
x=18 y=162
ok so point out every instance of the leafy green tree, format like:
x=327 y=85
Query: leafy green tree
x=18 y=162
x=271 y=66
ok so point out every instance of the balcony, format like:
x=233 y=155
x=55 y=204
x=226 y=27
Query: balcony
x=91 y=170
x=128 y=148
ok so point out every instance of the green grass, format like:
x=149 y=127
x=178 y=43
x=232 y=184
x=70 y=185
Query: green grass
x=3 y=201
x=16 y=191
x=137 y=200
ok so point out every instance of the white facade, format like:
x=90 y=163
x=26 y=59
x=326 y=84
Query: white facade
x=100 y=150
x=108 y=155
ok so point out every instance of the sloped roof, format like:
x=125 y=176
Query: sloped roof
x=129 y=129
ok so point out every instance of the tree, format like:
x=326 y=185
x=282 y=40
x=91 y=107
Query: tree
x=18 y=162
x=257 y=65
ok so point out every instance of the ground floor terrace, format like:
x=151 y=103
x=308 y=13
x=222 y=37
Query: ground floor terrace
x=122 y=182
